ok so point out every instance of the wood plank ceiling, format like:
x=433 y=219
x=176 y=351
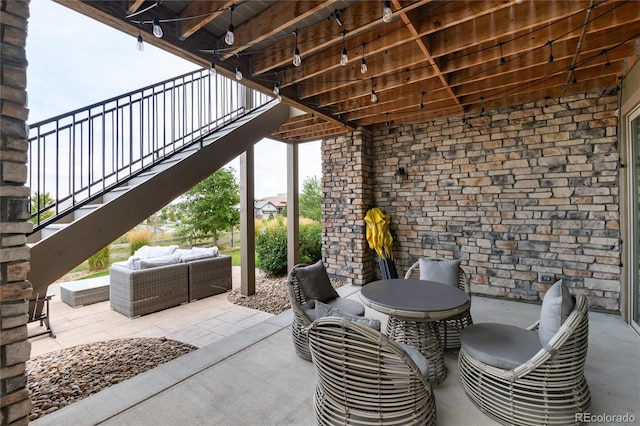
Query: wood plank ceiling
x=433 y=59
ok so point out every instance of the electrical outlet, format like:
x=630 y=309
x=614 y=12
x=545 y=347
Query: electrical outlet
x=545 y=278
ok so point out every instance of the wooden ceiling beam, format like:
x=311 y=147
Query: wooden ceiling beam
x=481 y=77
x=500 y=25
x=394 y=60
x=537 y=47
x=203 y=13
x=134 y=6
x=359 y=18
x=273 y=20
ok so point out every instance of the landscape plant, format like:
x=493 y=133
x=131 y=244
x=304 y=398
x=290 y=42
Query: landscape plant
x=100 y=260
x=210 y=207
x=138 y=238
x=271 y=244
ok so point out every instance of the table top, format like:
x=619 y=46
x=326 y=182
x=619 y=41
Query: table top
x=414 y=299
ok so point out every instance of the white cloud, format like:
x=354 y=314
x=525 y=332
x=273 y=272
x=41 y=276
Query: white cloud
x=76 y=61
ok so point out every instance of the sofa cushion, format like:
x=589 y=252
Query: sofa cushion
x=556 y=307
x=209 y=251
x=154 y=262
x=442 y=271
x=314 y=282
x=324 y=310
x=500 y=345
x=147 y=252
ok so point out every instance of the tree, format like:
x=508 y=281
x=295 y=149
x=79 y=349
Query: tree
x=44 y=201
x=210 y=207
x=311 y=199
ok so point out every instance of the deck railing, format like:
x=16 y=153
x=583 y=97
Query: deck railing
x=76 y=157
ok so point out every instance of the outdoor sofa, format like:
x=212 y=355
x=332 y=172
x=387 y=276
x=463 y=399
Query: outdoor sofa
x=157 y=278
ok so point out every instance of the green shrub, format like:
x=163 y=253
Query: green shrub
x=138 y=238
x=310 y=242
x=271 y=247
x=100 y=260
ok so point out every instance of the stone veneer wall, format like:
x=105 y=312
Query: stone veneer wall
x=15 y=404
x=513 y=193
x=346 y=196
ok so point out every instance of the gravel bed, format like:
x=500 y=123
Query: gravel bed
x=63 y=377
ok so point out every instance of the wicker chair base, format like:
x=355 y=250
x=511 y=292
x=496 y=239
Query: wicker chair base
x=330 y=412
x=523 y=402
x=425 y=337
x=300 y=339
x=548 y=389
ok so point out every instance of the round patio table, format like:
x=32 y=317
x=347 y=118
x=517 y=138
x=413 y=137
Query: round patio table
x=413 y=307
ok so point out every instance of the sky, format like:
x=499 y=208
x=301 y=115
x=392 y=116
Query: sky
x=84 y=61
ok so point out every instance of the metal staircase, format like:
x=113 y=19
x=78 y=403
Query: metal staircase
x=98 y=171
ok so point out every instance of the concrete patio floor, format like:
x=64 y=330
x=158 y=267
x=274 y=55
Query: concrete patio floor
x=253 y=376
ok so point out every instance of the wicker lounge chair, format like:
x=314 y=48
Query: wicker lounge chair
x=450 y=328
x=366 y=378
x=523 y=381
x=303 y=306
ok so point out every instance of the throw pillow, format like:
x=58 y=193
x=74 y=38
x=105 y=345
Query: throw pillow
x=441 y=271
x=324 y=310
x=556 y=307
x=314 y=282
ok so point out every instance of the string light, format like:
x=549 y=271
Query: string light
x=550 y=43
x=276 y=86
x=336 y=15
x=230 y=38
x=607 y=64
x=386 y=118
x=238 y=73
x=297 y=60
x=363 y=62
x=387 y=13
x=212 y=70
x=157 y=29
x=374 y=97
x=344 y=59
x=140 y=40
x=422 y=99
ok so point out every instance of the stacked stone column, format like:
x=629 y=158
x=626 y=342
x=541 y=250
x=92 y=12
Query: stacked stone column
x=15 y=404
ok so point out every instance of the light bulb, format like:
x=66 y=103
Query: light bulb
x=344 y=59
x=157 y=29
x=140 y=43
x=363 y=66
x=230 y=38
x=276 y=89
x=374 y=97
x=212 y=70
x=238 y=74
x=297 y=60
x=387 y=13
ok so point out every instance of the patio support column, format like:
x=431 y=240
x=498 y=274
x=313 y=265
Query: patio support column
x=247 y=224
x=15 y=348
x=293 y=208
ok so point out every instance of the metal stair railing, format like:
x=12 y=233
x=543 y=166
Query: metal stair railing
x=76 y=157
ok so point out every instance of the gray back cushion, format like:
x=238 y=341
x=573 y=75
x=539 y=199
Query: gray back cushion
x=314 y=282
x=442 y=271
x=556 y=307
